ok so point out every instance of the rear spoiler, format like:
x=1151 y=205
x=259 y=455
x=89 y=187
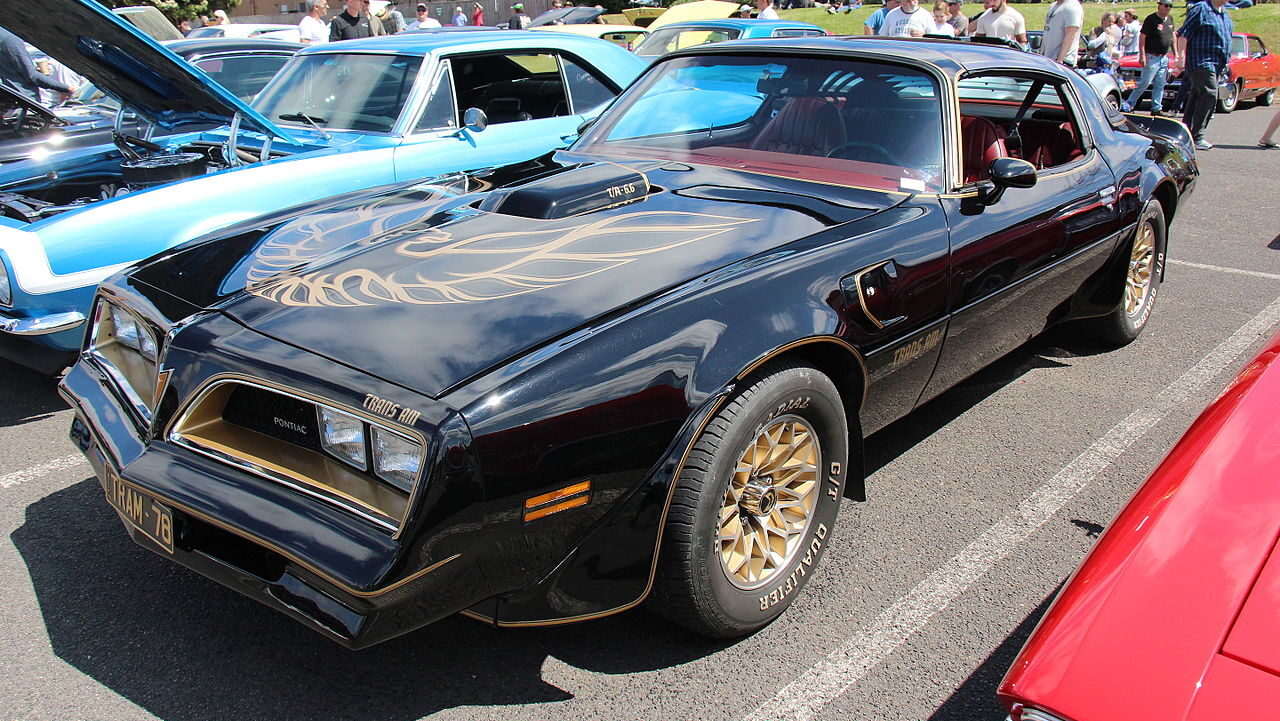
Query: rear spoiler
x=1167 y=128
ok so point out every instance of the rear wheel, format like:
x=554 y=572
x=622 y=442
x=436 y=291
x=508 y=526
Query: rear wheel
x=1141 y=282
x=1265 y=99
x=754 y=506
x=1229 y=103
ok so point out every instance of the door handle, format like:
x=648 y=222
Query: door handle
x=875 y=291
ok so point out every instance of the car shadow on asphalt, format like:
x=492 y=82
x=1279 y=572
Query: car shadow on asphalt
x=186 y=649
x=975 y=700
x=1044 y=351
x=26 y=395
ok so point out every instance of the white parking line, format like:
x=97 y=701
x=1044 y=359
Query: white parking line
x=831 y=677
x=1221 y=269
x=44 y=469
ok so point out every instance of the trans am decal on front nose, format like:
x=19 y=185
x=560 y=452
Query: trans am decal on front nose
x=486 y=266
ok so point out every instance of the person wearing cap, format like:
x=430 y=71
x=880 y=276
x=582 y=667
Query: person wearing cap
x=518 y=21
x=1154 y=43
x=459 y=17
x=1129 y=32
x=220 y=18
x=956 y=18
x=312 y=29
x=424 y=19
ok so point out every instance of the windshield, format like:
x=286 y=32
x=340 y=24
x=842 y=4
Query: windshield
x=665 y=40
x=847 y=122
x=333 y=91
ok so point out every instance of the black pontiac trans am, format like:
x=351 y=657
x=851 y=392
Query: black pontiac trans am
x=641 y=368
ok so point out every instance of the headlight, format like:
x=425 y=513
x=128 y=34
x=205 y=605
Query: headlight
x=126 y=347
x=342 y=436
x=396 y=459
x=6 y=295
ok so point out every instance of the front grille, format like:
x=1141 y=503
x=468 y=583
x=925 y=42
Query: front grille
x=283 y=417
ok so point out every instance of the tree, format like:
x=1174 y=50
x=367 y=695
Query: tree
x=177 y=10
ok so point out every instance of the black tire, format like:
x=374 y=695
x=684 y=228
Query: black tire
x=1124 y=324
x=694 y=586
x=1265 y=99
x=1229 y=103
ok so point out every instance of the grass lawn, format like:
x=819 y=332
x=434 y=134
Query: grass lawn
x=1262 y=20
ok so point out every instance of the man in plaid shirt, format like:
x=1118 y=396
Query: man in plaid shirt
x=1205 y=40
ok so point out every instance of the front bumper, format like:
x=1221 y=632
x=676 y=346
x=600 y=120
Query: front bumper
x=265 y=542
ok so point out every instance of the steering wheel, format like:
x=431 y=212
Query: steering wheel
x=878 y=152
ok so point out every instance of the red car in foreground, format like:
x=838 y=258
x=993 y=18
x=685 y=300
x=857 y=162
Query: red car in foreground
x=1174 y=614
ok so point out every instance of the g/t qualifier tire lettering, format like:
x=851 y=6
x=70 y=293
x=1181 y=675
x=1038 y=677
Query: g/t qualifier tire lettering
x=755 y=503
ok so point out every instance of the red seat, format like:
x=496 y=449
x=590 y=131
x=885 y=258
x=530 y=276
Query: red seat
x=1045 y=145
x=804 y=126
x=981 y=141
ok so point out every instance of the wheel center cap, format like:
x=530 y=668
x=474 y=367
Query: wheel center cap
x=759 y=497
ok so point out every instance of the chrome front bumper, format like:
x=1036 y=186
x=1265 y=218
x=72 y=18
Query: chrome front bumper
x=42 y=325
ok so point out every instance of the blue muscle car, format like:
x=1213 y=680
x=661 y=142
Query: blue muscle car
x=700 y=32
x=413 y=106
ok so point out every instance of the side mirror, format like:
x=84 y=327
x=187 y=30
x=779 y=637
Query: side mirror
x=474 y=119
x=1008 y=173
x=584 y=125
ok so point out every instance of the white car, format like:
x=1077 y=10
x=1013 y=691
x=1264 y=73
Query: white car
x=248 y=30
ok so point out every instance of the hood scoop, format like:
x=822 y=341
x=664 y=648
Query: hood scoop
x=579 y=190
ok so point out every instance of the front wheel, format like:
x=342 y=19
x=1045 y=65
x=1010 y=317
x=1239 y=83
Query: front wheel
x=1229 y=103
x=1141 y=282
x=755 y=504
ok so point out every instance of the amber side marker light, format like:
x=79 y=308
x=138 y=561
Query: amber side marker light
x=579 y=494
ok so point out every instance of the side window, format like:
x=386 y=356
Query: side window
x=1257 y=47
x=1015 y=117
x=795 y=33
x=440 y=111
x=243 y=76
x=585 y=89
x=510 y=87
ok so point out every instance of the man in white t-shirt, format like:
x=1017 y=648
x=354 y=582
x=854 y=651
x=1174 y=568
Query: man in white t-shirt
x=1002 y=21
x=1062 y=31
x=908 y=20
x=424 y=19
x=312 y=29
x=767 y=12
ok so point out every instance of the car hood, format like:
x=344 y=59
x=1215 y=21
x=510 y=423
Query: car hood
x=697 y=10
x=125 y=62
x=426 y=289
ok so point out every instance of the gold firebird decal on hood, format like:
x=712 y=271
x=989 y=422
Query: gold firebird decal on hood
x=483 y=267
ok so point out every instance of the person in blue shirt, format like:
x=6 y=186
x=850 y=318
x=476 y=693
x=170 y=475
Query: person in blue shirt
x=18 y=71
x=1205 y=42
x=876 y=21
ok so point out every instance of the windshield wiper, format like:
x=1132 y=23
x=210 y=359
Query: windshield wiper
x=312 y=120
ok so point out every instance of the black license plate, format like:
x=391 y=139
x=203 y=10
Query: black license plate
x=139 y=509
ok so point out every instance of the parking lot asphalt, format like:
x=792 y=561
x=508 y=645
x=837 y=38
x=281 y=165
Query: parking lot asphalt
x=980 y=505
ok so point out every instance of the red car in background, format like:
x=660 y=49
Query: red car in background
x=1255 y=74
x=1173 y=615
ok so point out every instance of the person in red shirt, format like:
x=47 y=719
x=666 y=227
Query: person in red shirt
x=477 y=14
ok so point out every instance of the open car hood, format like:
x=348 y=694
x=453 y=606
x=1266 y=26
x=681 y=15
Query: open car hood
x=698 y=10
x=123 y=61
